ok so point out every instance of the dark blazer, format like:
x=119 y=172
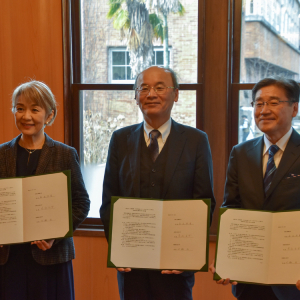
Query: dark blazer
x=54 y=157
x=244 y=189
x=188 y=171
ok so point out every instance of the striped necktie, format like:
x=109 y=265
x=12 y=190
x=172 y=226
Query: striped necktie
x=271 y=168
x=153 y=146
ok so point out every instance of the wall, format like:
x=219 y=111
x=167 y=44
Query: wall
x=31 y=47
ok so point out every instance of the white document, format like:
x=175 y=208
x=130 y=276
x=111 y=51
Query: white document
x=33 y=208
x=154 y=234
x=259 y=247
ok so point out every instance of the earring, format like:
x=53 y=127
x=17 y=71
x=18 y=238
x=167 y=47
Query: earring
x=47 y=123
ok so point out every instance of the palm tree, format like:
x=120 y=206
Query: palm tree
x=133 y=16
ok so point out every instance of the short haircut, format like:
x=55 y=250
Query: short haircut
x=290 y=86
x=173 y=75
x=40 y=93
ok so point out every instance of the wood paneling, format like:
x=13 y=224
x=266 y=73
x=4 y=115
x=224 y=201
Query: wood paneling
x=30 y=48
x=94 y=281
x=215 y=92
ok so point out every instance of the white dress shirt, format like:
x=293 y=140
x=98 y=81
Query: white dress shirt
x=277 y=157
x=164 y=133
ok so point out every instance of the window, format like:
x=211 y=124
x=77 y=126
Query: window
x=119 y=64
x=105 y=63
x=265 y=50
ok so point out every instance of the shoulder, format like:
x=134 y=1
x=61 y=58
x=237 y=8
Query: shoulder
x=58 y=145
x=9 y=144
x=128 y=129
x=189 y=131
x=247 y=146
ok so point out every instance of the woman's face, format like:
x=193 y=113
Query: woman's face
x=30 y=118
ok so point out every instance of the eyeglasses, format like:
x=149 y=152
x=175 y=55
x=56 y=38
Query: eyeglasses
x=159 y=89
x=270 y=103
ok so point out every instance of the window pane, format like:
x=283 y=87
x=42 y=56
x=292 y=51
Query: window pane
x=119 y=73
x=128 y=73
x=98 y=35
x=106 y=111
x=160 y=58
x=270 y=40
x=118 y=58
x=247 y=128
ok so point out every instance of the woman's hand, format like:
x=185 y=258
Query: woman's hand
x=43 y=245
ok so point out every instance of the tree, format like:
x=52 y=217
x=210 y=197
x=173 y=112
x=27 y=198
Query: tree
x=133 y=16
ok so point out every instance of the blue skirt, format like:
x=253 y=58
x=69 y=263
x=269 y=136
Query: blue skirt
x=22 y=278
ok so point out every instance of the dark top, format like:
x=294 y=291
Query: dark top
x=27 y=163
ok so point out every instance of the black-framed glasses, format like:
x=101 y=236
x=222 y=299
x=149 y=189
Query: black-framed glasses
x=159 y=89
x=270 y=103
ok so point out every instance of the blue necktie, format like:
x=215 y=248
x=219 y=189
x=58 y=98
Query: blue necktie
x=271 y=168
x=153 y=146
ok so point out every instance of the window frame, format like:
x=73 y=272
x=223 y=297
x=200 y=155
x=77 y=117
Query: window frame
x=73 y=86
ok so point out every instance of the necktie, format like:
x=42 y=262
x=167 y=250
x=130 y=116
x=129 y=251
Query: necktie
x=153 y=146
x=271 y=168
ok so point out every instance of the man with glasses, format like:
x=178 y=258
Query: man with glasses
x=264 y=173
x=162 y=159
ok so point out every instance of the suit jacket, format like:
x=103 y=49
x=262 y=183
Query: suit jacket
x=188 y=171
x=54 y=157
x=244 y=188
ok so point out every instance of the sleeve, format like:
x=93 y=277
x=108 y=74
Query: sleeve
x=80 y=197
x=110 y=183
x=203 y=180
x=232 y=194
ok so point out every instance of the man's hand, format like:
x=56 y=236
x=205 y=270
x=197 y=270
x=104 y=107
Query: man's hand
x=298 y=284
x=224 y=281
x=43 y=245
x=171 y=272
x=124 y=270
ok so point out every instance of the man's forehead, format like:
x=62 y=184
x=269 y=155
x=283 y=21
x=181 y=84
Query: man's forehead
x=271 y=92
x=156 y=74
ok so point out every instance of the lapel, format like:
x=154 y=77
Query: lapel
x=46 y=155
x=11 y=157
x=290 y=154
x=254 y=155
x=134 y=140
x=177 y=139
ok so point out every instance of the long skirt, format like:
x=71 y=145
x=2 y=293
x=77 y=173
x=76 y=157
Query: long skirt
x=22 y=278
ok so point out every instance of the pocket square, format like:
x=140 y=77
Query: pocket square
x=292 y=175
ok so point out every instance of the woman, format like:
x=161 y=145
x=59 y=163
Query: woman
x=41 y=269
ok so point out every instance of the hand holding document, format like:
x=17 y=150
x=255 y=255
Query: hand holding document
x=157 y=234
x=35 y=208
x=258 y=246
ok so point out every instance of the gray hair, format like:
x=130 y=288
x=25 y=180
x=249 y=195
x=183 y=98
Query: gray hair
x=40 y=93
x=173 y=75
x=290 y=86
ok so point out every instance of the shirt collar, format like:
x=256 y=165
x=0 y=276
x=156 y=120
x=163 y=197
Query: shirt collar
x=281 y=143
x=164 y=129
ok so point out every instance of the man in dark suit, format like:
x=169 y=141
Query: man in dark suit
x=263 y=176
x=158 y=158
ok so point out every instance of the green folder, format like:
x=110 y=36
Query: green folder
x=258 y=247
x=159 y=234
x=35 y=207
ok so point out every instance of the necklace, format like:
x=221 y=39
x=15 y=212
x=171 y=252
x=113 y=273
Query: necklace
x=30 y=151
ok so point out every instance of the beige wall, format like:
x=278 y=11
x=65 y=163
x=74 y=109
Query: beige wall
x=31 y=47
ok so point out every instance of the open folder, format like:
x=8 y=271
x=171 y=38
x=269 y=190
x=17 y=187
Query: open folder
x=35 y=208
x=258 y=246
x=159 y=234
